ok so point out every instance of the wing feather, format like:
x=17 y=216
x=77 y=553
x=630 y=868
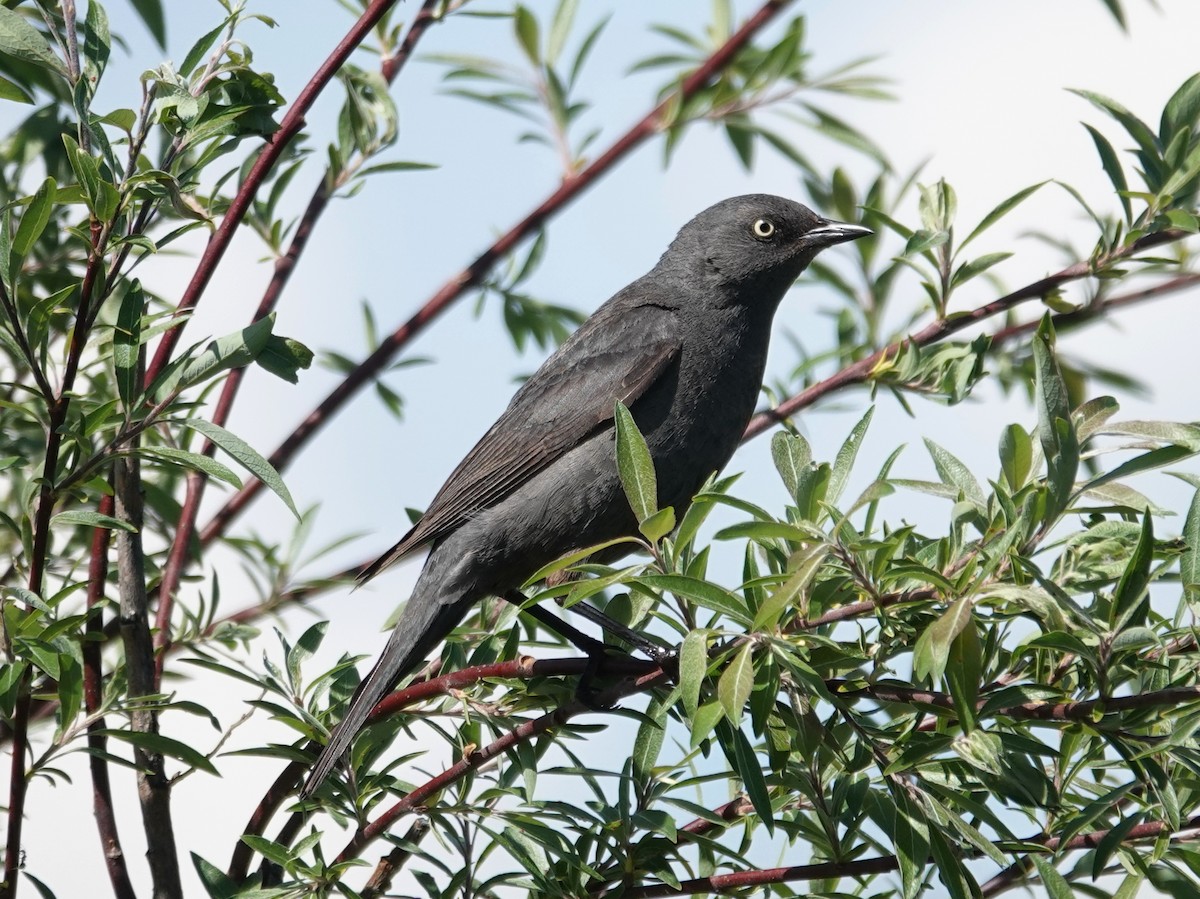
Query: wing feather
x=567 y=400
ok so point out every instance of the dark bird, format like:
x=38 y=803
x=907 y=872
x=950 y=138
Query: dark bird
x=683 y=347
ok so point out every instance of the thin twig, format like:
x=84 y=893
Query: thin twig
x=942 y=328
x=197 y=481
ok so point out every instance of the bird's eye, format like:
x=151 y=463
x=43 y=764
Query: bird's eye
x=763 y=229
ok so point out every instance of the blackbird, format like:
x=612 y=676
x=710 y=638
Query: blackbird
x=683 y=347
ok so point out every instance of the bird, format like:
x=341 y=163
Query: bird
x=684 y=348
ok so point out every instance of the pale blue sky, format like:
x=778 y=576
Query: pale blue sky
x=980 y=90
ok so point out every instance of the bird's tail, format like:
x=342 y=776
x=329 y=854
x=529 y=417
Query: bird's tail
x=423 y=624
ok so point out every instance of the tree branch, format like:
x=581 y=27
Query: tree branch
x=861 y=370
x=861 y=868
x=93 y=696
x=197 y=481
x=154 y=788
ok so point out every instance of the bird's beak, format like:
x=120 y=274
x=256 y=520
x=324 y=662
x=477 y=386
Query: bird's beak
x=830 y=232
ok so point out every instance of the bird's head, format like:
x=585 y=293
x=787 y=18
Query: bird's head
x=754 y=244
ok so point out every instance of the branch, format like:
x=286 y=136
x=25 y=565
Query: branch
x=1081 y=710
x=860 y=371
x=154 y=788
x=474 y=274
x=197 y=481
x=523 y=733
x=522 y=668
x=291 y=126
x=390 y=864
x=93 y=696
x=1097 y=310
x=865 y=867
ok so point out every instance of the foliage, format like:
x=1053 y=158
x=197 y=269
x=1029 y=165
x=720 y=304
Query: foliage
x=1004 y=700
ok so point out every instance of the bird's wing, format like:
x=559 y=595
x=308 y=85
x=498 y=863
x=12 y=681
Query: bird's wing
x=566 y=401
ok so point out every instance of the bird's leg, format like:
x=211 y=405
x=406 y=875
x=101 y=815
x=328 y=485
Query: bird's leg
x=577 y=638
x=657 y=654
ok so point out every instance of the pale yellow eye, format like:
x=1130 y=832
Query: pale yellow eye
x=763 y=229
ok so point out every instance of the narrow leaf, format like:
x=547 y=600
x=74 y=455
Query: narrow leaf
x=733 y=689
x=634 y=465
x=246 y=456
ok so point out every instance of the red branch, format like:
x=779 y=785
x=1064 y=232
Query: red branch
x=861 y=370
x=739 y=880
x=522 y=668
x=480 y=757
x=285 y=265
x=474 y=274
x=291 y=125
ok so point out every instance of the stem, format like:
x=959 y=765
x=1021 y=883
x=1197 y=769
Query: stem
x=154 y=788
x=93 y=694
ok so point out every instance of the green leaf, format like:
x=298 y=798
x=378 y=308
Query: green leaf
x=955 y=474
x=231 y=351
x=693 y=665
x=159 y=745
x=20 y=39
x=649 y=739
x=1016 y=456
x=34 y=219
x=981 y=750
x=1000 y=211
x=707 y=595
x=527 y=34
x=151 y=12
x=844 y=463
x=974 y=267
x=127 y=346
x=1129 y=596
x=196 y=462
x=964 y=674
x=1056 y=428
x=285 y=357
x=658 y=525
x=89 y=519
x=911 y=839
x=213 y=879
x=13 y=92
x=98 y=42
x=741 y=756
x=1112 y=167
x=1056 y=885
x=398 y=166
x=792 y=456
x=246 y=456
x=933 y=646
x=268 y=849
x=634 y=465
x=1189 y=563
x=807 y=562
x=707 y=717
x=1182 y=110
x=560 y=29
x=733 y=688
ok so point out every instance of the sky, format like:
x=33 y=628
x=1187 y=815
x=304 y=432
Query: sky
x=981 y=98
